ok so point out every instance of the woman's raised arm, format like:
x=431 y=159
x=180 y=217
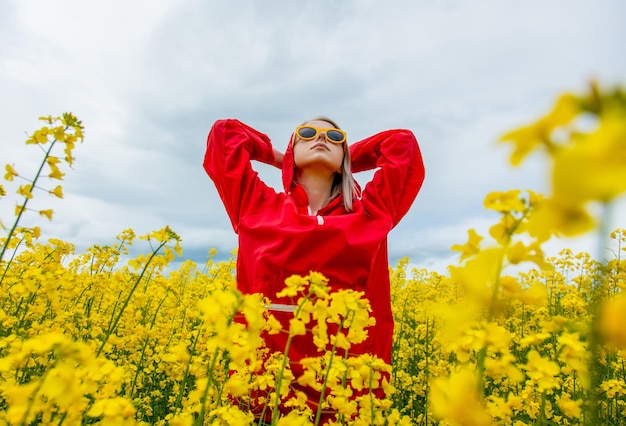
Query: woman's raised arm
x=401 y=170
x=231 y=145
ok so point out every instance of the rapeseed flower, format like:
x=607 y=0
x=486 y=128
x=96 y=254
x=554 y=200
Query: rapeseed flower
x=46 y=213
x=25 y=191
x=470 y=248
x=472 y=347
x=612 y=317
x=542 y=371
x=571 y=408
x=456 y=400
x=10 y=173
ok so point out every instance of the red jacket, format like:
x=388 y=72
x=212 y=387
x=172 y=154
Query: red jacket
x=278 y=237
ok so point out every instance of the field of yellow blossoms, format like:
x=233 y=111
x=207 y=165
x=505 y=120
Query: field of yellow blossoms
x=102 y=338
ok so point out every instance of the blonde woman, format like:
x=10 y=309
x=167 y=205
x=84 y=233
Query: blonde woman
x=321 y=221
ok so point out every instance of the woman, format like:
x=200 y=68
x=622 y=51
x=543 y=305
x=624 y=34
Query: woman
x=321 y=222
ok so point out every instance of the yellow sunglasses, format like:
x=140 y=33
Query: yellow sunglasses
x=333 y=135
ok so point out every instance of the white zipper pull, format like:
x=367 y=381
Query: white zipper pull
x=320 y=220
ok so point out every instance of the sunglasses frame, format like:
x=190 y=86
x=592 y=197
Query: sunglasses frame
x=321 y=129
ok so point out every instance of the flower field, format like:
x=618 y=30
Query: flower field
x=101 y=337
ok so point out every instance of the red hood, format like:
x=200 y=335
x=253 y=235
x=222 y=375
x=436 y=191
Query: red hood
x=289 y=166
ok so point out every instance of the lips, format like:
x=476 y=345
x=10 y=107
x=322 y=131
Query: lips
x=320 y=145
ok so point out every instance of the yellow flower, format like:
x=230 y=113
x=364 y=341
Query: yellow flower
x=112 y=408
x=253 y=310
x=39 y=136
x=471 y=247
x=294 y=418
x=457 y=401
x=273 y=325
x=57 y=191
x=3 y=191
x=542 y=371
x=177 y=353
x=46 y=213
x=52 y=161
x=498 y=407
x=510 y=286
x=25 y=190
x=569 y=407
x=558 y=217
x=612 y=317
x=395 y=419
x=309 y=376
x=520 y=252
x=614 y=388
x=508 y=201
x=477 y=275
x=10 y=174
x=178 y=248
x=237 y=386
x=340 y=400
x=59 y=133
x=504 y=229
x=56 y=173
x=527 y=138
x=297 y=327
x=503 y=366
x=573 y=352
x=19 y=398
x=594 y=167
x=537 y=295
x=319 y=285
x=293 y=285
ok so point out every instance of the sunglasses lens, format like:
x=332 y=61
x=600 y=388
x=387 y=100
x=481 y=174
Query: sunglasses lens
x=334 y=136
x=307 y=132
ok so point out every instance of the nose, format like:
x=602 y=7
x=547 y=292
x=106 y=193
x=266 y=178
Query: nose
x=321 y=135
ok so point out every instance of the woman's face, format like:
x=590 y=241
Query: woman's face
x=318 y=153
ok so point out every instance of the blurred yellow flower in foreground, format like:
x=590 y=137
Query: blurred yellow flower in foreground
x=612 y=322
x=456 y=400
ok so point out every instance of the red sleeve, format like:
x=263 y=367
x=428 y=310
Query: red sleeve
x=401 y=170
x=231 y=145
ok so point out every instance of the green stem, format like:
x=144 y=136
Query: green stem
x=200 y=420
x=26 y=199
x=480 y=362
x=179 y=399
x=211 y=369
x=130 y=294
x=145 y=345
x=427 y=354
x=6 y=269
x=279 y=379
x=30 y=300
x=542 y=411
x=593 y=414
x=318 y=414
x=32 y=397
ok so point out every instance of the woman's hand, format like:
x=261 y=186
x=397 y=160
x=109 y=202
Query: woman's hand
x=278 y=159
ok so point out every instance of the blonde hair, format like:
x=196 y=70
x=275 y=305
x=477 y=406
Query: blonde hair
x=344 y=182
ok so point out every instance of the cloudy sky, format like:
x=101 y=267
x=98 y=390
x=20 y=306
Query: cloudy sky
x=149 y=77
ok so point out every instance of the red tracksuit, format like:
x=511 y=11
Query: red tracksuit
x=278 y=237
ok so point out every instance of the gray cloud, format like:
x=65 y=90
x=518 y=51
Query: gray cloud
x=149 y=82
